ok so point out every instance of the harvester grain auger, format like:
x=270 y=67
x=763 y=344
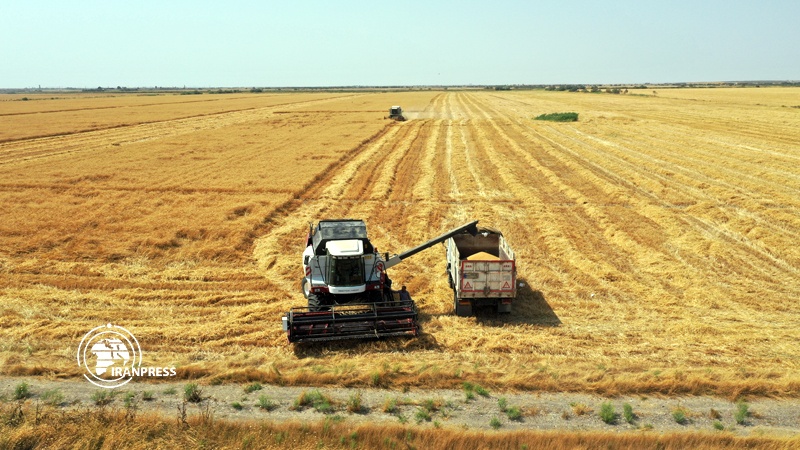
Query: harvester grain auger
x=349 y=293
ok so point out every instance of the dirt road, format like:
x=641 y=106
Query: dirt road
x=427 y=407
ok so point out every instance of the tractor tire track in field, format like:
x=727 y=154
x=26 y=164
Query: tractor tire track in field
x=343 y=187
x=389 y=182
x=693 y=188
x=119 y=135
x=745 y=261
x=697 y=190
x=536 y=186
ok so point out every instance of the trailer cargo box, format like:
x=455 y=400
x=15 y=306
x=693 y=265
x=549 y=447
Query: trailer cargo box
x=482 y=271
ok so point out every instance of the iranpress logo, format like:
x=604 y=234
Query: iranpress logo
x=111 y=356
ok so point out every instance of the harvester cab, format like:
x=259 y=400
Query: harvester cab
x=338 y=260
x=349 y=293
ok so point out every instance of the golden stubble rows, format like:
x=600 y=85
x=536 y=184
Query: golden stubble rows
x=655 y=238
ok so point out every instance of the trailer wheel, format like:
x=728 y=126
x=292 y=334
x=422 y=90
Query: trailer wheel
x=461 y=311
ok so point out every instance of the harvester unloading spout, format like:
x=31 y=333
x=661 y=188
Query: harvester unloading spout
x=349 y=293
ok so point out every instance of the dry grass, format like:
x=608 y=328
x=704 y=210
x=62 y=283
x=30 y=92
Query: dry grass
x=656 y=237
x=55 y=116
x=26 y=427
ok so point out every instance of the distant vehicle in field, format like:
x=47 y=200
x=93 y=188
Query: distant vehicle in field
x=482 y=271
x=396 y=113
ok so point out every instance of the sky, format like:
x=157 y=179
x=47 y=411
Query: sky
x=243 y=43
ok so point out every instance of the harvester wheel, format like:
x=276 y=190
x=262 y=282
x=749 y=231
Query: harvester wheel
x=306 y=288
x=313 y=302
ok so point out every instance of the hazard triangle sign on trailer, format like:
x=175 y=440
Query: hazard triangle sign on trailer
x=506 y=285
x=467 y=286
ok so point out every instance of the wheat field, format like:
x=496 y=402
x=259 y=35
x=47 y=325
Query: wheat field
x=656 y=237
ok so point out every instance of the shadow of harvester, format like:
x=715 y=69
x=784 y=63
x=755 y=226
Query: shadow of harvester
x=530 y=307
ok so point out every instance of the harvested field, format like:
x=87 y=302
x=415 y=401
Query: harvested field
x=656 y=236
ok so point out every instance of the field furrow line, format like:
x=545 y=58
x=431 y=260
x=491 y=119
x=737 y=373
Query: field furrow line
x=689 y=191
x=746 y=263
x=441 y=182
x=397 y=172
x=569 y=249
x=139 y=105
x=700 y=123
x=740 y=269
x=455 y=192
x=120 y=135
x=364 y=179
x=285 y=227
x=664 y=181
x=581 y=190
x=426 y=164
x=732 y=199
x=466 y=152
x=708 y=156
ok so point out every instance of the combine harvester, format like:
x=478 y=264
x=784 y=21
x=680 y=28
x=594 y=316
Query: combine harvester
x=396 y=113
x=349 y=294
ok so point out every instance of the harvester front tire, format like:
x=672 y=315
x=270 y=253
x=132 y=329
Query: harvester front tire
x=305 y=287
x=313 y=303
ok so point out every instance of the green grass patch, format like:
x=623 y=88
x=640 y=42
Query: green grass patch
x=495 y=423
x=390 y=405
x=742 y=412
x=377 y=379
x=432 y=405
x=266 y=403
x=314 y=399
x=607 y=413
x=252 y=387
x=679 y=416
x=422 y=414
x=22 y=391
x=129 y=399
x=192 y=393
x=628 y=414
x=53 y=397
x=481 y=391
x=102 y=397
x=354 y=404
x=558 y=117
x=502 y=403
x=514 y=413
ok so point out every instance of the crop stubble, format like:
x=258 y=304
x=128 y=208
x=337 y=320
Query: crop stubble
x=655 y=237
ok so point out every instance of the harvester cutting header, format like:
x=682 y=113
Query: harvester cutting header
x=349 y=293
